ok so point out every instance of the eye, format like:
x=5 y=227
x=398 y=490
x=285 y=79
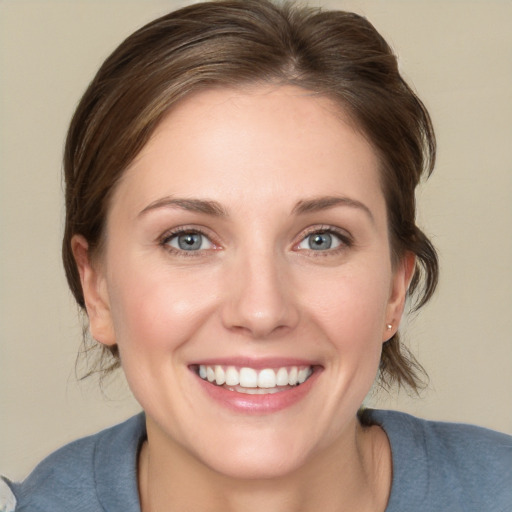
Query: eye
x=322 y=240
x=188 y=241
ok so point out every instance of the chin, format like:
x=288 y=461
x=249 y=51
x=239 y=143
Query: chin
x=258 y=455
x=260 y=466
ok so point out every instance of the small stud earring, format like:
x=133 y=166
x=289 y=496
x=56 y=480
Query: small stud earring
x=389 y=327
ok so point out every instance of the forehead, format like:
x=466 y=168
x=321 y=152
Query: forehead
x=253 y=143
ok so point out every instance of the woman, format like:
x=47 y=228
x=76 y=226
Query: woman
x=240 y=229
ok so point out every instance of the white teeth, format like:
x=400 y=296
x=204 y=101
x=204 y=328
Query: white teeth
x=257 y=391
x=249 y=378
x=303 y=375
x=282 y=377
x=220 y=375
x=267 y=379
x=232 y=378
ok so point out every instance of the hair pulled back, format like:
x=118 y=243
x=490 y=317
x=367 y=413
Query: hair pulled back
x=233 y=43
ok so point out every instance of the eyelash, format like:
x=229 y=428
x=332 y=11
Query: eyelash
x=345 y=240
x=174 y=233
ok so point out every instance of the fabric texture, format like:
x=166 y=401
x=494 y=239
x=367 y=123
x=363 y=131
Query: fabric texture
x=7 y=498
x=436 y=467
x=446 y=467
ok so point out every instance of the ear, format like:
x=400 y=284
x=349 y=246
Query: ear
x=398 y=293
x=95 y=293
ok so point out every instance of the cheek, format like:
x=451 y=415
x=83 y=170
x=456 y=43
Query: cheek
x=158 y=310
x=353 y=306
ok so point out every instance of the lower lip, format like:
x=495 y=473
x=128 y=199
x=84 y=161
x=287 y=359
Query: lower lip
x=258 y=404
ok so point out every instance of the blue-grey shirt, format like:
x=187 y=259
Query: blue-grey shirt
x=437 y=467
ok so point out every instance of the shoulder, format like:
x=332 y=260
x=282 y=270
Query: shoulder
x=451 y=466
x=7 y=499
x=82 y=474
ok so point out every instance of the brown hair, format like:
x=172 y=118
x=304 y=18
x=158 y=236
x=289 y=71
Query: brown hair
x=233 y=43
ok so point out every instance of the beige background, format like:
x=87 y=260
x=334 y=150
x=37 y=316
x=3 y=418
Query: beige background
x=458 y=55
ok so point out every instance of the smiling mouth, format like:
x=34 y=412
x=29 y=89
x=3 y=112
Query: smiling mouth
x=254 y=382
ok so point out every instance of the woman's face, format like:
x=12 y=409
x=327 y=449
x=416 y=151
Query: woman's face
x=248 y=244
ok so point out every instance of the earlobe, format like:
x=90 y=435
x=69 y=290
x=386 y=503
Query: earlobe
x=95 y=293
x=400 y=285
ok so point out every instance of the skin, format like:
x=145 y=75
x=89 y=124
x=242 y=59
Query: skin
x=254 y=289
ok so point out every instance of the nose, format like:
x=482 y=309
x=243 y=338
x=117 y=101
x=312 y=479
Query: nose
x=260 y=297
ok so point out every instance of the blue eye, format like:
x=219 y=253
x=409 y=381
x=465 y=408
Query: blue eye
x=320 y=241
x=189 y=241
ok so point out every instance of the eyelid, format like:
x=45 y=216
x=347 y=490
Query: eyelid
x=164 y=239
x=346 y=239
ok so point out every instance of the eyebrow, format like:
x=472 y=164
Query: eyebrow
x=215 y=209
x=325 y=202
x=192 y=205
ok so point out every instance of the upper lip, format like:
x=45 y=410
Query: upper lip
x=256 y=363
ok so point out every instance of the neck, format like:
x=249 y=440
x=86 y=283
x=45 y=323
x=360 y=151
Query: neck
x=352 y=474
